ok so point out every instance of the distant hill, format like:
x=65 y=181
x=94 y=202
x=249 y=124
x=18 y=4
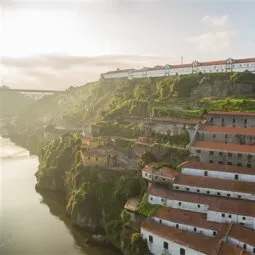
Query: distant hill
x=13 y=103
x=185 y=96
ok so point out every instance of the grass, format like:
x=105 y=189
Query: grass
x=147 y=209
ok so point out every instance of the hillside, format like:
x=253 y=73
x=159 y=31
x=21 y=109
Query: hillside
x=183 y=96
x=13 y=103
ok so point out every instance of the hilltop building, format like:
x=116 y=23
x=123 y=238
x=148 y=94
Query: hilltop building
x=220 y=66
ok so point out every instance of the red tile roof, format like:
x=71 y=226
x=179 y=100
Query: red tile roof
x=218 y=204
x=231 y=113
x=191 y=218
x=215 y=183
x=192 y=240
x=218 y=167
x=166 y=172
x=218 y=62
x=244 y=60
x=228 y=130
x=228 y=249
x=120 y=71
x=242 y=234
x=224 y=147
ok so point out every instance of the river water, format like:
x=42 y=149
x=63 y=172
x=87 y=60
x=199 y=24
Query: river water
x=31 y=223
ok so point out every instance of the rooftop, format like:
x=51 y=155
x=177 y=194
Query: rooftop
x=166 y=172
x=244 y=148
x=215 y=183
x=231 y=113
x=215 y=203
x=132 y=204
x=218 y=167
x=228 y=130
x=189 y=239
x=211 y=245
x=191 y=218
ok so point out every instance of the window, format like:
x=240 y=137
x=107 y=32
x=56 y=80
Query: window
x=96 y=159
x=151 y=198
x=230 y=154
x=244 y=246
x=177 y=225
x=214 y=233
x=239 y=155
x=221 y=153
x=230 y=163
x=163 y=179
x=195 y=229
x=182 y=251
x=88 y=158
x=253 y=250
x=198 y=206
x=180 y=203
x=208 y=192
x=226 y=136
x=162 y=200
x=211 y=118
x=239 y=196
x=218 y=193
x=160 y=221
x=187 y=189
x=150 y=239
x=249 y=156
x=156 y=177
x=165 y=245
x=213 y=135
x=176 y=187
x=236 y=176
x=234 y=120
x=205 y=173
x=210 y=161
x=211 y=153
x=245 y=121
x=230 y=216
x=239 y=164
x=198 y=151
x=244 y=218
x=223 y=215
x=198 y=190
x=228 y=195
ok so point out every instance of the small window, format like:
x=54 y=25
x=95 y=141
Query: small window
x=156 y=177
x=228 y=195
x=234 y=120
x=253 y=250
x=213 y=135
x=165 y=245
x=223 y=215
x=177 y=225
x=244 y=218
x=218 y=193
x=160 y=221
x=210 y=161
x=96 y=159
x=244 y=246
x=182 y=251
x=214 y=233
x=195 y=229
x=226 y=136
x=180 y=203
x=230 y=163
x=239 y=196
x=150 y=239
x=162 y=199
x=198 y=190
x=221 y=153
x=205 y=173
x=151 y=198
x=236 y=176
x=211 y=153
x=230 y=216
x=163 y=179
x=187 y=189
x=239 y=155
x=198 y=206
x=230 y=154
x=208 y=192
x=198 y=151
x=245 y=121
x=176 y=187
x=239 y=164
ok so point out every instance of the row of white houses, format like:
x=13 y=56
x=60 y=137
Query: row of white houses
x=229 y=65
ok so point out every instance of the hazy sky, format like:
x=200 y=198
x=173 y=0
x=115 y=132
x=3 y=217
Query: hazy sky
x=68 y=43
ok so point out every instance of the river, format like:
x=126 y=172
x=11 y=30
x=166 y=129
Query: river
x=31 y=223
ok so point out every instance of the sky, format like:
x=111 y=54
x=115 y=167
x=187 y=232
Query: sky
x=61 y=43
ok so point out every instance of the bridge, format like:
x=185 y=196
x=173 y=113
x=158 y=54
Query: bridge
x=34 y=93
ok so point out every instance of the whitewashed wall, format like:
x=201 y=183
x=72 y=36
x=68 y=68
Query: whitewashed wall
x=188 y=228
x=157 y=247
x=214 y=192
x=147 y=176
x=238 y=243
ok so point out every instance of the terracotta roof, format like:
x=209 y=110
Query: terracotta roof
x=244 y=60
x=182 y=66
x=120 y=71
x=166 y=172
x=219 y=204
x=224 y=147
x=228 y=249
x=218 y=62
x=228 y=130
x=191 y=218
x=215 y=183
x=242 y=234
x=188 y=239
x=132 y=204
x=231 y=113
x=218 y=167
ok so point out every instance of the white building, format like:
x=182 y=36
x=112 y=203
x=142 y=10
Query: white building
x=167 y=240
x=218 y=209
x=215 y=186
x=221 y=171
x=229 y=65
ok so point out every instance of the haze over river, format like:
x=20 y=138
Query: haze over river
x=29 y=222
